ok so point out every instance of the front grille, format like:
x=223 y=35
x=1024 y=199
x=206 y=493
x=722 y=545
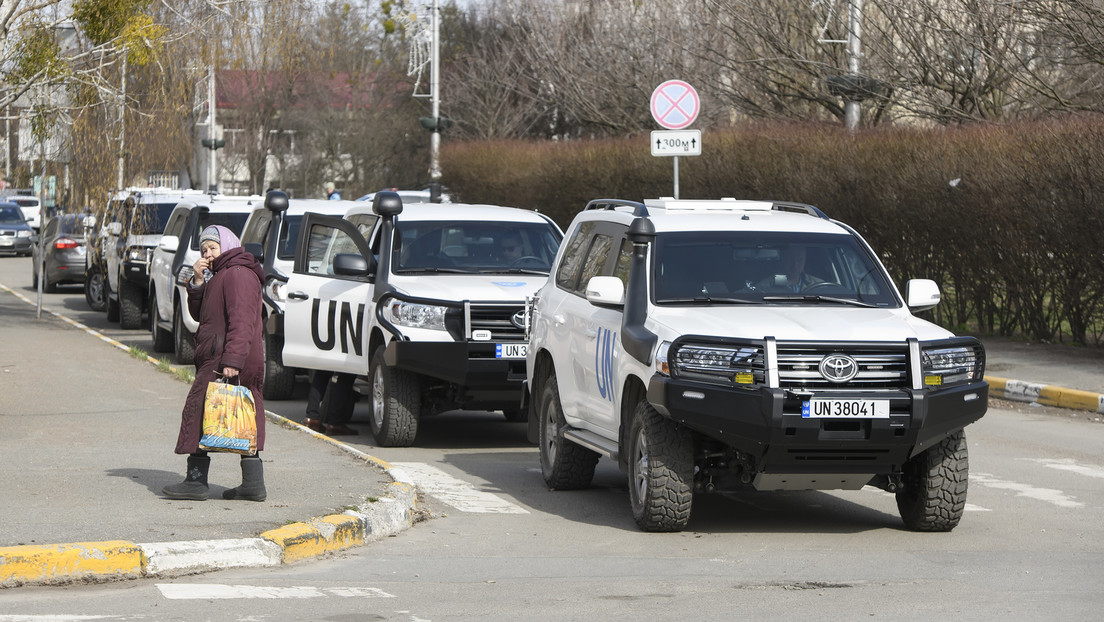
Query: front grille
x=499 y=320
x=798 y=367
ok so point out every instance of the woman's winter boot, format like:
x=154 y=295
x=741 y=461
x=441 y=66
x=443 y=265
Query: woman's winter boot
x=194 y=486
x=252 y=487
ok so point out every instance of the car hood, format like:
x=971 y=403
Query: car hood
x=805 y=323
x=148 y=239
x=475 y=287
x=14 y=226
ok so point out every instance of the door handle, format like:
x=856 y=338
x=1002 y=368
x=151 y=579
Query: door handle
x=297 y=296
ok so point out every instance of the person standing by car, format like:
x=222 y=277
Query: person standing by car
x=225 y=294
x=331 y=192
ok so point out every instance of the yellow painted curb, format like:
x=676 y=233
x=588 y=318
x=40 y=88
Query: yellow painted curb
x=1069 y=398
x=68 y=562
x=997 y=384
x=322 y=535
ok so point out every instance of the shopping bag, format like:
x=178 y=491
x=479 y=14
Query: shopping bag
x=229 y=419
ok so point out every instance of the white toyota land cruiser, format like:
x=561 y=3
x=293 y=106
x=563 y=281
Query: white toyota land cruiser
x=711 y=345
x=427 y=300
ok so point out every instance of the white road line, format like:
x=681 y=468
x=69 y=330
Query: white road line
x=215 y=591
x=56 y=618
x=1066 y=464
x=455 y=492
x=1049 y=495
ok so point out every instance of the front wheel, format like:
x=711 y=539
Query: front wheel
x=935 y=481
x=162 y=339
x=183 y=339
x=279 y=380
x=661 y=471
x=94 y=289
x=396 y=403
x=565 y=465
x=130 y=305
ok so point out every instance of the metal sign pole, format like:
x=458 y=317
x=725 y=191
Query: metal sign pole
x=676 y=176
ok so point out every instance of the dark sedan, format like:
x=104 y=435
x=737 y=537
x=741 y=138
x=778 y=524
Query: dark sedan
x=63 y=250
x=15 y=233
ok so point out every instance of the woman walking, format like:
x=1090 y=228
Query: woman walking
x=225 y=294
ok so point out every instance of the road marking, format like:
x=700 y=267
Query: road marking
x=57 y=618
x=455 y=492
x=215 y=591
x=1049 y=495
x=1066 y=464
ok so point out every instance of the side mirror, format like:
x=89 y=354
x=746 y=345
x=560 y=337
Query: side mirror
x=169 y=243
x=387 y=203
x=605 y=291
x=276 y=201
x=921 y=294
x=115 y=228
x=351 y=264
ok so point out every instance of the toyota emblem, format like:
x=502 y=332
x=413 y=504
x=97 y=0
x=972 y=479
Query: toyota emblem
x=838 y=367
x=518 y=319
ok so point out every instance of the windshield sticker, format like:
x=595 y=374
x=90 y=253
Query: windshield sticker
x=509 y=283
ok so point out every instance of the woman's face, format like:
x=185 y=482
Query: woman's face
x=210 y=250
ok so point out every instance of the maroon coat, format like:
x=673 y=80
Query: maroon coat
x=230 y=335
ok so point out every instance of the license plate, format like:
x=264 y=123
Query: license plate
x=845 y=409
x=511 y=350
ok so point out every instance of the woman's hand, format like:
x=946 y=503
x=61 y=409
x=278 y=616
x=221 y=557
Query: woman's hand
x=229 y=372
x=200 y=265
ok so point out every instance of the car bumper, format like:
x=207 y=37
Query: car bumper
x=10 y=244
x=70 y=269
x=471 y=365
x=767 y=424
x=136 y=272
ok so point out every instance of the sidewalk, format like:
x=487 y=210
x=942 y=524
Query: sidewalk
x=86 y=443
x=86 y=439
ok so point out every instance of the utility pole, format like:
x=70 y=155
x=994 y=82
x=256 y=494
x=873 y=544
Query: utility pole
x=435 y=94
x=120 y=177
x=851 y=111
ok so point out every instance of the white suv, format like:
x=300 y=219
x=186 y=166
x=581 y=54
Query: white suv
x=171 y=324
x=685 y=340
x=427 y=299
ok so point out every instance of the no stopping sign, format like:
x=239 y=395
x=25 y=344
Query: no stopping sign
x=675 y=104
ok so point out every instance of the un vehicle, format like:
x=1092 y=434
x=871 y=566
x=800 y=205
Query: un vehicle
x=710 y=346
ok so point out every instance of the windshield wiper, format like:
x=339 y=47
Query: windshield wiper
x=704 y=300
x=808 y=298
x=434 y=270
x=513 y=271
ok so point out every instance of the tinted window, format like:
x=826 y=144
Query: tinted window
x=11 y=214
x=150 y=218
x=257 y=228
x=596 y=259
x=568 y=273
x=766 y=267
x=233 y=222
x=487 y=247
x=289 y=237
x=324 y=244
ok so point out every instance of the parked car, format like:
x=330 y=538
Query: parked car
x=271 y=233
x=171 y=324
x=426 y=300
x=31 y=206
x=15 y=233
x=139 y=217
x=63 y=252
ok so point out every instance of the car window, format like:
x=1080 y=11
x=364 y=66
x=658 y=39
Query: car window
x=567 y=275
x=234 y=221
x=51 y=228
x=476 y=246
x=256 y=229
x=596 y=259
x=766 y=267
x=71 y=224
x=323 y=245
x=11 y=214
x=624 y=261
x=289 y=237
x=364 y=223
x=176 y=222
x=150 y=218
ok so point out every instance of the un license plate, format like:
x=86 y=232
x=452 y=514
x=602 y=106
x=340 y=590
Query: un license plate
x=845 y=409
x=511 y=350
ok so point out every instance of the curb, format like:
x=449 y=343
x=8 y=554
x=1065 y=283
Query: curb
x=113 y=560
x=1045 y=394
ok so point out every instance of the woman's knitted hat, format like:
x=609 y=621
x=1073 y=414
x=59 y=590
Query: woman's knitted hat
x=220 y=235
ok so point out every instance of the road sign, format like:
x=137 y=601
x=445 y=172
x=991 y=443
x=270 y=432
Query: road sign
x=676 y=142
x=675 y=104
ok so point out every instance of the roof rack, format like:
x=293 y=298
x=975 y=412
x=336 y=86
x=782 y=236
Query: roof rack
x=800 y=208
x=638 y=209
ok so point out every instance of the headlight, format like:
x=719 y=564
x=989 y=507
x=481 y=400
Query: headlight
x=735 y=365
x=413 y=315
x=23 y=233
x=944 y=366
x=138 y=253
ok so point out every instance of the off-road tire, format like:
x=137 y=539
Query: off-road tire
x=396 y=403
x=94 y=289
x=162 y=339
x=183 y=339
x=130 y=305
x=564 y=464
x=279 y=381
x=661 y=471
x=110 y=304
x=934 y=494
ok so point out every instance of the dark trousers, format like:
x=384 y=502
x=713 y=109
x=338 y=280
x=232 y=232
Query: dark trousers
x=330 y=398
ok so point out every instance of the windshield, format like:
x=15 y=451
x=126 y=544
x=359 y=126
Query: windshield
x=475 y=246
x=234 y=222
x=71 y=224
x=10 y=214
x=762 y=267
x=150 y=218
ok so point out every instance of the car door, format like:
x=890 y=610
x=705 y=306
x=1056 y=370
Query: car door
x=327 y=315
x=161 y=267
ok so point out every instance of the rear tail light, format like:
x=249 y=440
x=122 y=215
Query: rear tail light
x=65 y=243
